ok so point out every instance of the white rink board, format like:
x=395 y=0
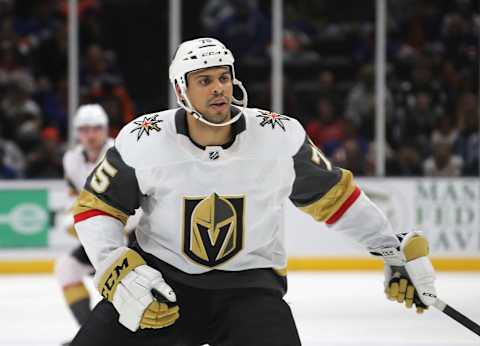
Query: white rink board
x=447 y=210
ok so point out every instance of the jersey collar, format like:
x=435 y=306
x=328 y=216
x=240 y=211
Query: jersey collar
x=181 y=125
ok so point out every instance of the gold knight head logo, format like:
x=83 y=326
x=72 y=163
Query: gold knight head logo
x=216 y=228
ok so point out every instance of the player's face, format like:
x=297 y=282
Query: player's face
x=92 y=137
x=210 y=91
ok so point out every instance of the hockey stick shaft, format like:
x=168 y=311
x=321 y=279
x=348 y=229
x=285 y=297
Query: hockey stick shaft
x=457 y=316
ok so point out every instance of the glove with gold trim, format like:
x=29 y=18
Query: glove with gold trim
x=138 y=292
x=409 y=274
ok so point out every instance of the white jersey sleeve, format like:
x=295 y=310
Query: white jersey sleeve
x=111 y=194
x=77 y=167
x=331 y=195
x=68 y=169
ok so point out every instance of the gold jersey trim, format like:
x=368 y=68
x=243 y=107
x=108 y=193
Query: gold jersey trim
x=280 y=271
x=75 y=293
x=88 y=201
x=328 y=204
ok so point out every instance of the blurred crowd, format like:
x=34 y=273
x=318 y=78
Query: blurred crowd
x=432 y=77
x=34 y=85
x=432 y=71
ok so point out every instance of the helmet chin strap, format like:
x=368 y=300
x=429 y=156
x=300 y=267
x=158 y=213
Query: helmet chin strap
x=185 y=104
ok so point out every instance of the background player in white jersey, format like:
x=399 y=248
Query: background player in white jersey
x=91 y=127
x=212 y=180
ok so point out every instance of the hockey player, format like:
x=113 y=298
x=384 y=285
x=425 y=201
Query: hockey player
x=91 y=127
x=212 y=179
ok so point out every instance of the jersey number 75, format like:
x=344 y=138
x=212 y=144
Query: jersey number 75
x=101 y=178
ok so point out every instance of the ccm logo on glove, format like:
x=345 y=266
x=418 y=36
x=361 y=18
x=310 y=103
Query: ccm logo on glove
x=118 y=270
x=127 y=282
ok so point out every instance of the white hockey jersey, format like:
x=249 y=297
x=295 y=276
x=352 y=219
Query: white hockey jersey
x=77 y=167
x=220 y=209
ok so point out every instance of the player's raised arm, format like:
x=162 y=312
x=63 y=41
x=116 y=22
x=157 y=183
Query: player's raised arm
x=110 y=195
x=330 y=194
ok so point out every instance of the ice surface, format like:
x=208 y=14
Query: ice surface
x=331 y=309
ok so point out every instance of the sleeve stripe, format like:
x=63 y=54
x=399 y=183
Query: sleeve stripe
x=88 y=214
x=75 y=292
x=344 y=207
x=331 y=202
x=87 y=202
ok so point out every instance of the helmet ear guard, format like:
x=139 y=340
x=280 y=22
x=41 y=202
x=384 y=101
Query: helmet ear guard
x=244 y=100
x=199 y=54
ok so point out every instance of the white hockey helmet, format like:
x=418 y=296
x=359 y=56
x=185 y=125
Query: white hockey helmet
x=198 y=54
x=90 y=115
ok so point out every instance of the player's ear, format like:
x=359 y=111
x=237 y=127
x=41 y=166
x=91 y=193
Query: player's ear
x=178 y=91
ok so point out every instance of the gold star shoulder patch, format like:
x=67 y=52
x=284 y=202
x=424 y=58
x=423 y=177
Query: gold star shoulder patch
x=272 y=119
x=146 y=125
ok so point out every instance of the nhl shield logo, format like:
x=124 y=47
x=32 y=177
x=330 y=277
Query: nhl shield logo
x=213 y=155
x=213 y=228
